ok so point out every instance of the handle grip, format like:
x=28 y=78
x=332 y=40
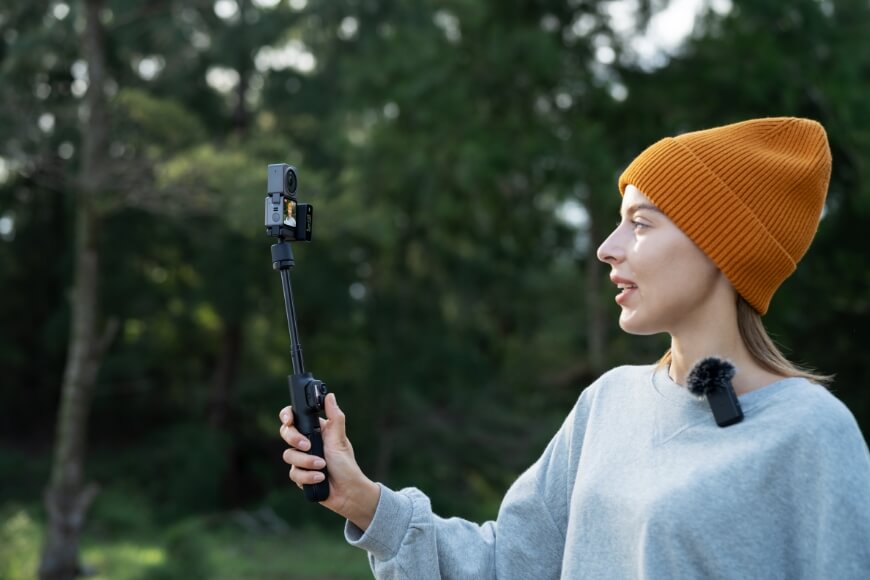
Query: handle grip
x=317 y=491
x=307 y=396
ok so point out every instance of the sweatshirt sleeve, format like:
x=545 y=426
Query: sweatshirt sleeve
x=830 y=473
x=406 y=540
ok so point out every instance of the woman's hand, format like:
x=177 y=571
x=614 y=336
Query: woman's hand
x=352 y=495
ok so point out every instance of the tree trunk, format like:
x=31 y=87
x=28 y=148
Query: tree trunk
x=220 y=407
x=223 y=385
x=241 y=115
x=68 y=496
x=225 y=375
x=596 y=330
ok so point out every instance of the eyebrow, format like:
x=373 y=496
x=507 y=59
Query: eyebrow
x=637 y=206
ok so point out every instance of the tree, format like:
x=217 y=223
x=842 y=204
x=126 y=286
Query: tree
x=69 y=495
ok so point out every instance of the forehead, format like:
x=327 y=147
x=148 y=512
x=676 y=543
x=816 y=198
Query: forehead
x=633 y=195
x=633 y=199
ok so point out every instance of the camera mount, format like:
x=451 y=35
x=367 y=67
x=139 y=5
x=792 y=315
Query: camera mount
x=290 y=221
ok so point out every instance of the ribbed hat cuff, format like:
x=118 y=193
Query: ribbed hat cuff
x=713 y=217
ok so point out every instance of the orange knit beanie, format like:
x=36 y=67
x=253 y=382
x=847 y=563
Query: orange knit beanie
x=749 y=195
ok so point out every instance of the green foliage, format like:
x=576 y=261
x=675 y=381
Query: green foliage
x=226 y=550
x=223 y=547
x=182 y=467
x=121 y=510
x=20 y=537
x=158 y=123
x=443 y=298
x=23 y=474
x=186 y=553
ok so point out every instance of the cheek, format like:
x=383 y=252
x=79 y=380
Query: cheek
x=655 y=257
x=691 y=277
x=674 y=263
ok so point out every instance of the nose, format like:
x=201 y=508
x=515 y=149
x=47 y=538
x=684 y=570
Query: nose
x=610 y=251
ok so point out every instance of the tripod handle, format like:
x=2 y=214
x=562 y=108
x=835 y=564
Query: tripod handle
x=307 y=396
x=317 y=491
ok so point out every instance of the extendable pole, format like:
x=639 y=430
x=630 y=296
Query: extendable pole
x=283 y=261
x=295 y=345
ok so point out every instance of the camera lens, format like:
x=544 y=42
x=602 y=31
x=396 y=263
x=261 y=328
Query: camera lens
x=291 y=181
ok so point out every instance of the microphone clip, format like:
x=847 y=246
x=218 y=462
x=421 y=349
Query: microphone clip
x=711 y=377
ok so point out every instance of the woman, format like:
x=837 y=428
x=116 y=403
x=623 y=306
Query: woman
x=640 y=481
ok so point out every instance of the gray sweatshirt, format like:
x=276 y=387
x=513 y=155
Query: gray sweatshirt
x=640 y=482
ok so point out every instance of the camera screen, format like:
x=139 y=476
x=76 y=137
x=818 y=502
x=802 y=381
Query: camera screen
x=289 y=212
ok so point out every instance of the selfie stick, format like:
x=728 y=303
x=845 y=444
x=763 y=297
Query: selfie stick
x=307 y=394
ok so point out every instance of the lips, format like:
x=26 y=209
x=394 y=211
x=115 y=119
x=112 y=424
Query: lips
x=627 y=288
x=623 y=282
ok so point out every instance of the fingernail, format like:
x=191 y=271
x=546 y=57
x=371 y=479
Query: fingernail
x=318 y=476
x=285 y=416
x=319 y=463
x=304 y=444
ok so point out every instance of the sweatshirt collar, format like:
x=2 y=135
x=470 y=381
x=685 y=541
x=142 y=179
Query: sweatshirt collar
x=680 y=395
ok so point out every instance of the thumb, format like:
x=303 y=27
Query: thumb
x=336 y=419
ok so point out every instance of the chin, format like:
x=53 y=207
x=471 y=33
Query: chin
x=638 y=327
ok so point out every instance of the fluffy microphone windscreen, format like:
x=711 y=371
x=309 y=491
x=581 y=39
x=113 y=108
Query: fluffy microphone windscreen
x=708 y=374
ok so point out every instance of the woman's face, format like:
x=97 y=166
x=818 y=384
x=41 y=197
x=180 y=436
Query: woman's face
x=676 y=282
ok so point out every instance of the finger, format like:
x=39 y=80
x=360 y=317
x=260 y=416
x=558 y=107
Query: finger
x=286 y=415
x=335 y=436
x=303 y=460
x=304 y=476
x=336 y=419
x=294 y=438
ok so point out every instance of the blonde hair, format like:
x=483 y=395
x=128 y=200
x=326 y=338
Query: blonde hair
x=762 y=348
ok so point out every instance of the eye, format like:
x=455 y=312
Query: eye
x=636 y=224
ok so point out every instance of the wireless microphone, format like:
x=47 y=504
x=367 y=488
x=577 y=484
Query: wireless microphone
x=711 y=376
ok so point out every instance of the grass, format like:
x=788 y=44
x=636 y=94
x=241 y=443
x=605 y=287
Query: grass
x=311 y=555
x=123 y=559
x=213 y=547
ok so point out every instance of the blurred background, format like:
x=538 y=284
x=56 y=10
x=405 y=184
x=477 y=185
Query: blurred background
x=461 y=156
